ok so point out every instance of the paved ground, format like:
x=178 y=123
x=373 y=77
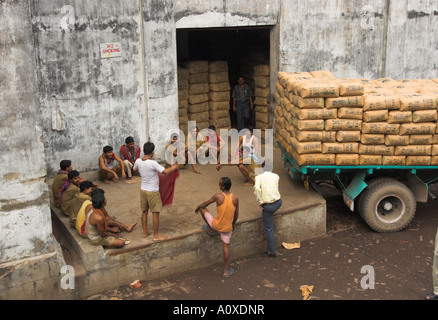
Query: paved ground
x=402 y=266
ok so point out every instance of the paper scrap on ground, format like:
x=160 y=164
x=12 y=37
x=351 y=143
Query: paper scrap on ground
x=292 y=245
x=136 y=284
x=306 y=291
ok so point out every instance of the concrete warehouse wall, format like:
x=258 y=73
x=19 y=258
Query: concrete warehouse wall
x=25 y=222
x=360 y=38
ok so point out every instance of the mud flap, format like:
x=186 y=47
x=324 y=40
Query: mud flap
x=355 y=188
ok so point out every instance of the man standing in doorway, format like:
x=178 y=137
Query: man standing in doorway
x=242 y=103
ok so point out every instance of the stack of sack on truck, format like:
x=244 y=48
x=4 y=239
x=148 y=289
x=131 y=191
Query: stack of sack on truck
x=219 y=95
x=262 y=94
x=321 y=120
x=183 y=98
x=198 y=93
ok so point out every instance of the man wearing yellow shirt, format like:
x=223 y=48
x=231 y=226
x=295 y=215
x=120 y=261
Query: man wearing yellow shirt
x=269 y=199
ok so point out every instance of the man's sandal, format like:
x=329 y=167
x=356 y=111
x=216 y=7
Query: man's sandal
x=432 y=296
x=229 y=273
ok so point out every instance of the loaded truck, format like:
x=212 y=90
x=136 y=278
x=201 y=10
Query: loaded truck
x=384 y=196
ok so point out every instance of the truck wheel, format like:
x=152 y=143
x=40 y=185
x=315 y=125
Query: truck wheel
x=387 y=205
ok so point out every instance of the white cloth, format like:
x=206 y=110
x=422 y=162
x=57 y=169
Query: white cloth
x=148 y=170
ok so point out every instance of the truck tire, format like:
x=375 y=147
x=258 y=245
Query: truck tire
x=387 y=205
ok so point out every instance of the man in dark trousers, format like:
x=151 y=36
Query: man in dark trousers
x=242 y=103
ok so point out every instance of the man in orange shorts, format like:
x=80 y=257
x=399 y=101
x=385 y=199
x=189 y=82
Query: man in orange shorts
x=225 y=219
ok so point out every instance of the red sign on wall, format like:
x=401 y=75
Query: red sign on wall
x=110 y=50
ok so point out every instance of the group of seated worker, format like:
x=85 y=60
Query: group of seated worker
x=110 y=170
x=76 y=198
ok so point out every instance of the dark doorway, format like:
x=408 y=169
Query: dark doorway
x=242 y=48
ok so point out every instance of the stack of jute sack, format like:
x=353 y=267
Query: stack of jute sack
x=262 y=94
x=219 y=95
x=321 y=120
x=183 y=98
x=198 y=89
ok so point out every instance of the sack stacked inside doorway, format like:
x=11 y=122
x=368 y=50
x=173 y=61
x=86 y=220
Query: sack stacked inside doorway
x=183 y=98
x=219 y=95
x=321 y=120
x=262 y=94
x=198 y=93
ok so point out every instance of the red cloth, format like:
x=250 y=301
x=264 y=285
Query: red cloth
x=167 y=186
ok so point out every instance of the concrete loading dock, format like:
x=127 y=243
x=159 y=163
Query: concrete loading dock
x=302 y=217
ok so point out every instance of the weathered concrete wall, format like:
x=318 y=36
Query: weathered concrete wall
x=161 y=71
x=412 y=47
x=102 y=99
x=360 y=38
x=341 y=36
x=225 y=13
x=25 y=222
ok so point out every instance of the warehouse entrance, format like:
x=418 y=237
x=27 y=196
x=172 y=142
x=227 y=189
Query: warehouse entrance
x=241 y=48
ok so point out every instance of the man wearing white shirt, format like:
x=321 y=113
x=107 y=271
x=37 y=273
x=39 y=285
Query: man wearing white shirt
x=149 y=190
x=269 y=199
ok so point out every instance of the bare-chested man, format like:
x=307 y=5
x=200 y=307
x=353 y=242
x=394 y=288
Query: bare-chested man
x=108 y=169
x=225 y=219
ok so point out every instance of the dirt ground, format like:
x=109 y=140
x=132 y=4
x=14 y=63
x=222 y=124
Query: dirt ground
x=402 y=264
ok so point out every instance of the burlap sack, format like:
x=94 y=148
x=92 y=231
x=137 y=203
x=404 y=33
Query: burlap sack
x=218 y=114
x=198 y=98
x=315 y=114
x=280 y=89
x=370 y=160
x=183 y=104
x=284 y=77
x=311 y=136
x=394 y=160
x=262 y=92
x=413 y=150
x=349 y=113
x=308 y=103
x=199 y=107
x=376 y=116
x=434 y=150
x=341 y=102
x=262 y=109
x=217 y=77
x=415 y=102
x=372 y=139
x=347 y=160
x=396 y=140
x=219 y=96
x=309 y=125
x=340 y=148
x=400 y=117
x=305 y=147
x=317 y=90
x=199 y=88
x=261 y=101
x=220 y=86
x=262 y=125
x=418 y=161
x=222 y=123
x=199 y=117
x=218 y=66
x=417 y=128
x=182 y=112
x=425 y=139
x=348 y=136
x=262 y=117
x=262 y=82
x=183 y=74
x=314 y=159
x=434 y=161
x=424 y=116
x=198 y=77
x=218 y=105
x=381 y=102
x=380 y=150
x=197 y=66
x=183 y=94
x=350 y=88
x=343 y=125
x=380 y=128
x=262 y=70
